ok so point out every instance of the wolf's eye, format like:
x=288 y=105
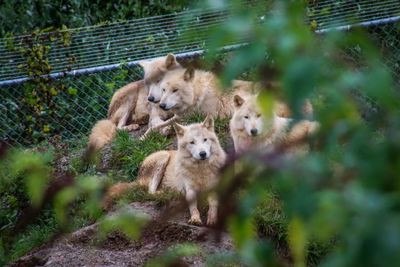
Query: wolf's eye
x=258 y=115
x=163 y=89
x=192 y=142
x=175 y=90
x=205 y=139
x=246 y=117
x=158 y=81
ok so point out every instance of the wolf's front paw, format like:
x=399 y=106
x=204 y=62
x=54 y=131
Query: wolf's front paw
x=167 y=131
x=132 y=127
x=195 y=220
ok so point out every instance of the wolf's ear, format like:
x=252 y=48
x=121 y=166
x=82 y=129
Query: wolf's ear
x=308 y=109
x=189 y=74
x=170 y=61
x=209 y=123
x=179 y=129
x=143 y=63
x=238 y=101
x=281 y=109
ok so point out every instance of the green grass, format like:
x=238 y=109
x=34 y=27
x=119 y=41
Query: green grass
x=141 y=194
x=14 y=200
x=269 y=218
x=271 y=223
x=34 y=236
x=41 y=231
x=128 y=153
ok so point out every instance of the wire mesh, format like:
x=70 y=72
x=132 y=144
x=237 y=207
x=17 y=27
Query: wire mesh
x=76 y=113
x=328 y=14
x=94 y=60
x=118 y=42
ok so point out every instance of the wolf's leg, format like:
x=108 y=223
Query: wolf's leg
x=127 y=109
x=155 y=121
x=155 y=117
x=191 y=198
x=212 y=209
x=159 y=126
x=124 y=118
x=158 y=174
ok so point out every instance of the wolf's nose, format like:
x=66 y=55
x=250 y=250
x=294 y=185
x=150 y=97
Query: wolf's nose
x=151 y=98
x=254 y=132
x=163 y=105
x=203 y=154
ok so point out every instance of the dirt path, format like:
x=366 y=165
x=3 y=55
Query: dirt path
x=83 y=248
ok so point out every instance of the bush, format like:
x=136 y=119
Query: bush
x=50 y=15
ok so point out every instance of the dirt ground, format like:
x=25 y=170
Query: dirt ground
x=84 y=248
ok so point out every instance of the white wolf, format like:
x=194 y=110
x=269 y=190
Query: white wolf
x=191 y=169
x=249 y=126
x=191 y=90
x=130 y=106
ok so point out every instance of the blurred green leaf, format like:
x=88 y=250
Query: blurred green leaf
x=297 y=237
x=127 y=221
x=241 y=230
x=174 y=254
x=61 y=202
x=33 y=166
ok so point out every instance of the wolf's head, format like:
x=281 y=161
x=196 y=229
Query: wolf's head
x=198 y=141
x=247 y=116
x=154 y=71
x=177 y=90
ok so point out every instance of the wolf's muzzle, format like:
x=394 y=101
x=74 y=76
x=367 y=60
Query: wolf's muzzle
x=163 y=106
x=203 y=154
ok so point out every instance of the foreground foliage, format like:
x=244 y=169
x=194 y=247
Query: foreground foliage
x=344 y=193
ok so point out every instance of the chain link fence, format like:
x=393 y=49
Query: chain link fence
x=60 y=83
x=85 y=101
x=83 y=67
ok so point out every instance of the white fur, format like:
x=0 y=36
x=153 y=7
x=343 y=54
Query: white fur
x=246 y=117
x=155 y=91
x=274 y=131
x=184 y=170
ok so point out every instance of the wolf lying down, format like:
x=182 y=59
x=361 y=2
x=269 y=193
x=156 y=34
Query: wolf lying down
x=250 y=128
x=191 y=169
x=132 y=105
